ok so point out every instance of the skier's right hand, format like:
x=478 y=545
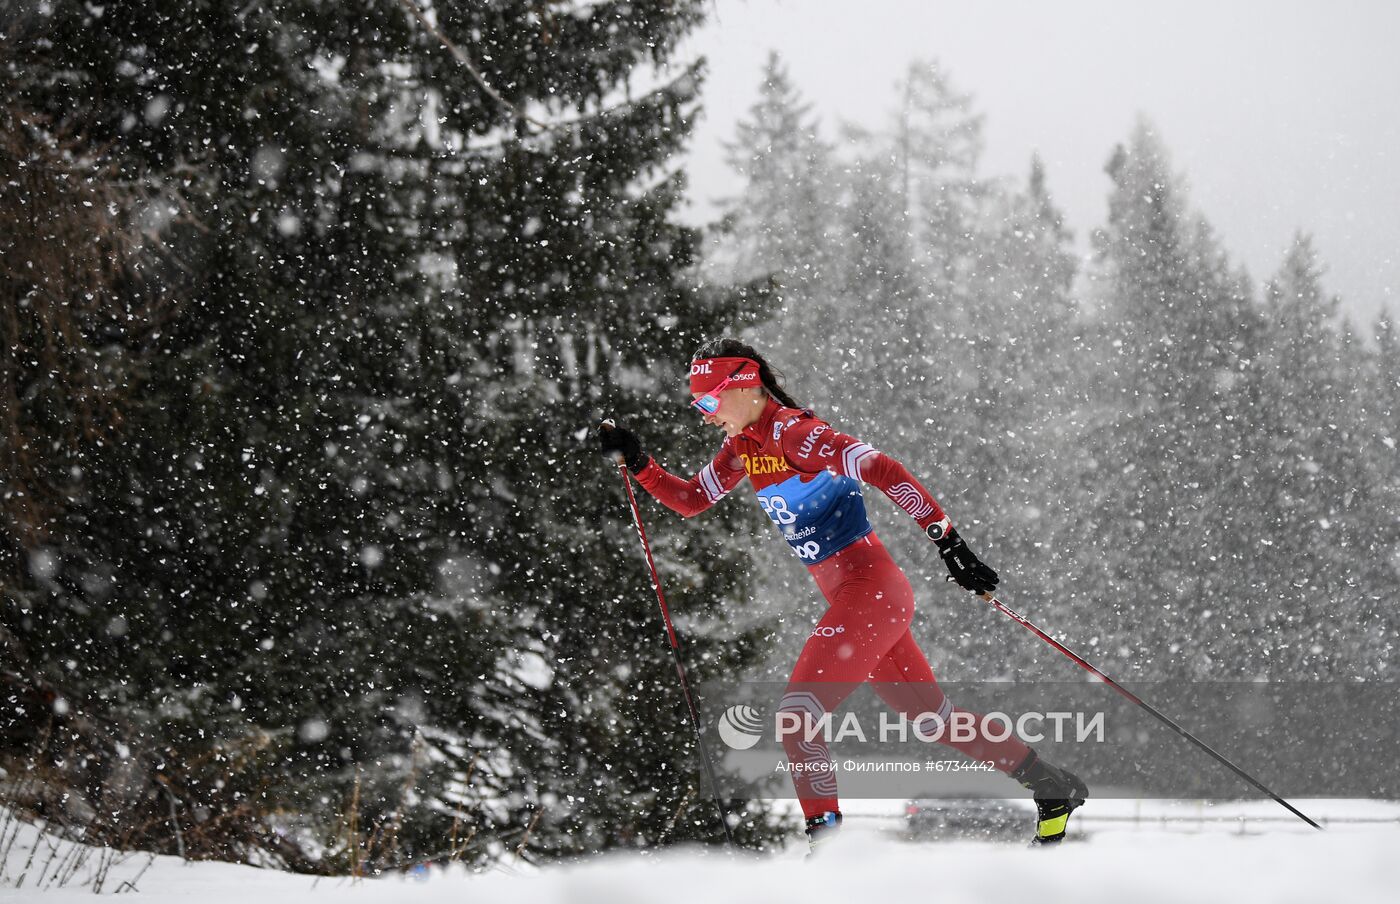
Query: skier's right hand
x=615 y=440
x=963 y=567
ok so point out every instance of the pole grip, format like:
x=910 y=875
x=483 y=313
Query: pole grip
x=616 y=456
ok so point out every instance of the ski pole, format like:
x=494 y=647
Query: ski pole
x=675 y=646
x=1082 y=663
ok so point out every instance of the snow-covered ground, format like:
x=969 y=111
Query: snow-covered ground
x=1123 y=851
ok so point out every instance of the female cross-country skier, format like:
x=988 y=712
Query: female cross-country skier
x=806 y=474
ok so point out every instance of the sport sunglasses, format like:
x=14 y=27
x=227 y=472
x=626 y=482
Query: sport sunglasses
x=709 y=402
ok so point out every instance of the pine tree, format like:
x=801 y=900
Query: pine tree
x=1306 y=467
x=780 y=222
x=353 y=519
x=1176 y=319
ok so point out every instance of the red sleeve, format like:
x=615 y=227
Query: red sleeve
x=812 y=445
x=693 y=496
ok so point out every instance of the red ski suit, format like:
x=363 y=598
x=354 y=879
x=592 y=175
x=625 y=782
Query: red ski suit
x=807 y=476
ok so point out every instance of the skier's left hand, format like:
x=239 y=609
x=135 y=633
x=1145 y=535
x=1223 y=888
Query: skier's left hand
x=615 y=440
x=963 y=566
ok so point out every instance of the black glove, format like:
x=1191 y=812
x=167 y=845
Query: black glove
x=964 y=567
x=614 y=439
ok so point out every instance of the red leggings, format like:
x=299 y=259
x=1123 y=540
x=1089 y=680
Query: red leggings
x=865 y=636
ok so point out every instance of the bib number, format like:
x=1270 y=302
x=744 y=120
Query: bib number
x=777 y=509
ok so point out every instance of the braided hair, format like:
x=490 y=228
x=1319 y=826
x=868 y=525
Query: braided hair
x=769 y=376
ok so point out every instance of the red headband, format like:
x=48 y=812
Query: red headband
x=707 y=373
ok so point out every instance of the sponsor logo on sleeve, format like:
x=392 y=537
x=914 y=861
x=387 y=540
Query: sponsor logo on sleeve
x=805 y=449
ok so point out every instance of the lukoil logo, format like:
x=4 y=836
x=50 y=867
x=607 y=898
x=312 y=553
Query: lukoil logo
x=740 y=726
x=700 y=368
x=806 y=448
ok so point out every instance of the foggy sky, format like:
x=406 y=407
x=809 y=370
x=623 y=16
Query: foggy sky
x=1282 y=115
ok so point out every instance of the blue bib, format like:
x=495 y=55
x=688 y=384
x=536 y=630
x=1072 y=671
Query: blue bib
x=818 y=518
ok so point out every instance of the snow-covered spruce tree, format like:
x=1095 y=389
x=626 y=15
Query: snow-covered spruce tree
x=1310 y=490
x=352 y=541
x=1176 y=327
x=779 y=224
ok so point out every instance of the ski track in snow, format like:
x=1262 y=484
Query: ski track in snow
x=1172 y=859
